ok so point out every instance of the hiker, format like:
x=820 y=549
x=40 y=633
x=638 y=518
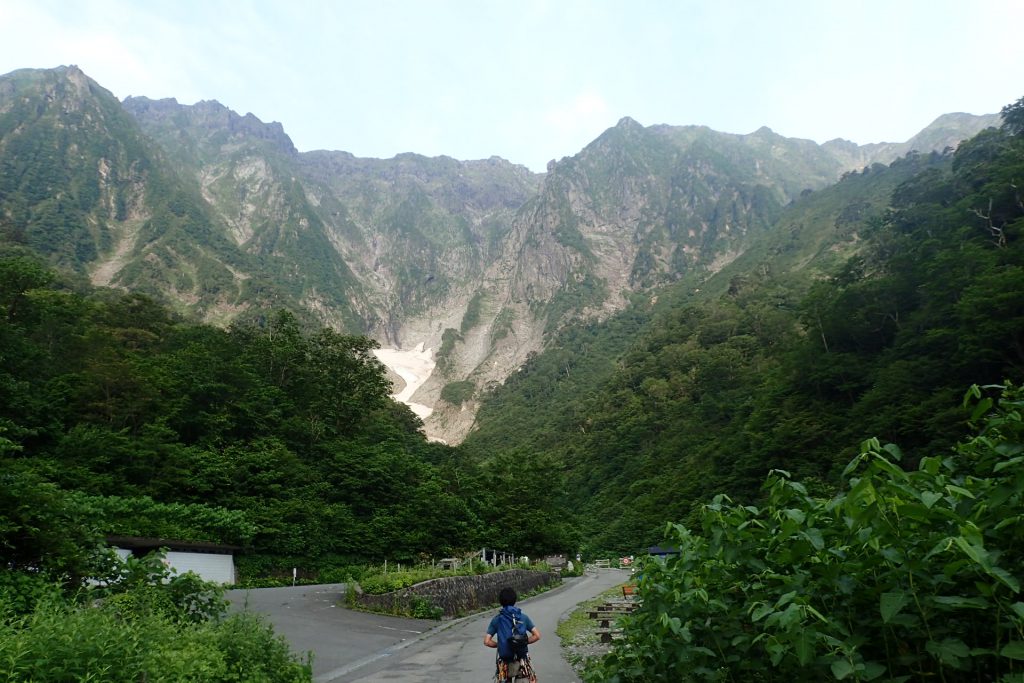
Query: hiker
x=510 y=631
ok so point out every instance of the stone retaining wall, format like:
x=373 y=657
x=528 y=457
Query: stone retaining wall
x=457 y=595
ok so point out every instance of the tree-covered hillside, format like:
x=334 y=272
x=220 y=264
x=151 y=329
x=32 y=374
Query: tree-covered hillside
x=111 y=404
x=118 y=418
x=218 y=215
x=786 y=368
x=860 y=309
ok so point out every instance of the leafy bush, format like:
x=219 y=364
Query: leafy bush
x=386 y=583
x=143 y=586
x=20 y=592
x=577 y=569
x=266 y=571
x=458 y=393
x=60 y=641
x=379 y=583
x=143 y=516
x=141 y=624
x=904 y=575
x=422 y=608
x=335 y=575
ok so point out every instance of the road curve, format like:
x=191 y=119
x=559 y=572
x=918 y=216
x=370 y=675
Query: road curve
x=312 y=619
x=455 y=653
x=351 y=646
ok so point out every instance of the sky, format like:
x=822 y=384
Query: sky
x=535 y=80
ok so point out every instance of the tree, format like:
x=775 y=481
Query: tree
x=17 y=276
x=1013 y=117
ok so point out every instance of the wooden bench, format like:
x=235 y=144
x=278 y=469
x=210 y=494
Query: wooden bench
x=608 y=635
x=618 y=606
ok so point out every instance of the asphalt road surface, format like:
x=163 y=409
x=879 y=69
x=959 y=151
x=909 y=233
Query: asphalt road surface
x=351 y=646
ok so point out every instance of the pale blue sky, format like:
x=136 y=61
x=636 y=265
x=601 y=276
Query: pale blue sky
x=534 y=80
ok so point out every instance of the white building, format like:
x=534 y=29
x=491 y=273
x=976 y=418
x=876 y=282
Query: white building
x=211 y=561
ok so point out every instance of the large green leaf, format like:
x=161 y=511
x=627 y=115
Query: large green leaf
x=892 y=603
x=841 y=669
x=949 y=651
x=1014 y=650
x=959 y=601
x=805 y=647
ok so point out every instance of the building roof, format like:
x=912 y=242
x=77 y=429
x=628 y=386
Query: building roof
x=150 y=543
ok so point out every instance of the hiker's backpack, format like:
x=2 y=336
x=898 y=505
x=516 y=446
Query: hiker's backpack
x=512 y=636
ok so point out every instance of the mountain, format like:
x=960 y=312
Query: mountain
x=945 y=132
x=483 y=262
x=245 y=173
x=82 y=184
x=866 y=311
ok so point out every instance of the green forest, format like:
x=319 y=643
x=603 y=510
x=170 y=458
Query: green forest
x=265 y=435
x=120 y=417
x=835 y=456
x=666 y=405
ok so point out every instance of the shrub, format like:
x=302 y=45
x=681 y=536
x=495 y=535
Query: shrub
x=143 y=625
x=458 y=393
x=422 y=608
x=142 y=586
x=904 y=575
x=61 y=641
x=379 y=583
x=20 y=592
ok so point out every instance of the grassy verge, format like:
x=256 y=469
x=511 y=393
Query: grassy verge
x=578 y=632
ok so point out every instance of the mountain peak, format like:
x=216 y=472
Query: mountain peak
x=628 y=123
x=211 y=116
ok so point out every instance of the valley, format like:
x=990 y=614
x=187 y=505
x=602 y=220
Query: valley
x=785 y=376
x=222 y=217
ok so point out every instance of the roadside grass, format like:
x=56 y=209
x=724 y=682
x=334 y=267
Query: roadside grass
x=578 y=632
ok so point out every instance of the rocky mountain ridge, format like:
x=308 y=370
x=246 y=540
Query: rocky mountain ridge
x=479 y=261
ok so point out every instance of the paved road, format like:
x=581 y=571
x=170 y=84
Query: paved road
x=355 y=646
x=311 y=620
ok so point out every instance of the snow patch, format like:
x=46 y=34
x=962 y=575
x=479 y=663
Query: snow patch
x=415 y=368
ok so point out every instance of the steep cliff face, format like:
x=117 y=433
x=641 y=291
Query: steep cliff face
x=478 y=261
x=420 y=231
x=74 y=169
x=83 y=185
x=246 y=171
x=640 y=207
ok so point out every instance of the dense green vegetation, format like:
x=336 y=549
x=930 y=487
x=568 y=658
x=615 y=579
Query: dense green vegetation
x=458 y=393
x=670 y=403
x=116 y=418
x=261 y=433
x=139 y=624
x=905 y=574
x=863 y=311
